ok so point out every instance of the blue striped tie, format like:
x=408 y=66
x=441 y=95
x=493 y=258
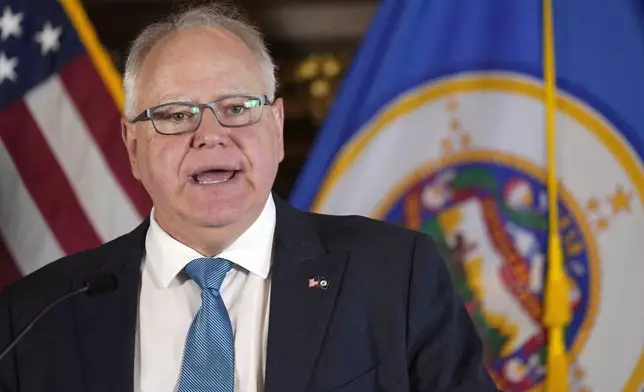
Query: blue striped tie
x=209 y=354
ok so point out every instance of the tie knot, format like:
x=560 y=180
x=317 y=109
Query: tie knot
x=208 y=272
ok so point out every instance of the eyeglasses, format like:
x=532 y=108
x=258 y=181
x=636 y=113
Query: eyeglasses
x=231 y=111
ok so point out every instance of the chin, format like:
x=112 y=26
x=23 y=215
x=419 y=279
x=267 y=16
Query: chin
x=216 y=214
x=221 y=219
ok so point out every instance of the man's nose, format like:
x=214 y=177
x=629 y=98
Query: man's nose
x=210 y=132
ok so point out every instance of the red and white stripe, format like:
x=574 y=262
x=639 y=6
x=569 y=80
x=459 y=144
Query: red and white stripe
x=66 y=183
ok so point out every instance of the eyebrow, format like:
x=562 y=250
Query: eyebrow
x=221 y=93
x=173 y=98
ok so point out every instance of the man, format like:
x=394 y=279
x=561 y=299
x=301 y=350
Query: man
x=225 y=287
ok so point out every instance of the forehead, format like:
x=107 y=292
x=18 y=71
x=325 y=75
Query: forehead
x=199 y=63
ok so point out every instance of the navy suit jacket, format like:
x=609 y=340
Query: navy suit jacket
x=389 y=319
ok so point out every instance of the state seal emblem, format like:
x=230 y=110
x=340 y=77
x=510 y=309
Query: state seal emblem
x=463 y=160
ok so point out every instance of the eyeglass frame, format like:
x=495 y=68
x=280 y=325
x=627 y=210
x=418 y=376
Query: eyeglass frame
x=146 y=114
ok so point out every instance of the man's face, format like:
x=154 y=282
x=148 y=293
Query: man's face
x=215 y=176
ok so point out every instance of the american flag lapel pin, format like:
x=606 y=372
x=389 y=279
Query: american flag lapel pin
x=318 y=282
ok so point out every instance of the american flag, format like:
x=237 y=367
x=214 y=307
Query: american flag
x=65 y=181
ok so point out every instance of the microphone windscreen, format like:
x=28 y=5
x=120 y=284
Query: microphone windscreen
x=101 y=284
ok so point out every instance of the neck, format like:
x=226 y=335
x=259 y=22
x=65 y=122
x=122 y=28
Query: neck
x=207 y=240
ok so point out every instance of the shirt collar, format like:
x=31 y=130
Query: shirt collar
x=166 y=257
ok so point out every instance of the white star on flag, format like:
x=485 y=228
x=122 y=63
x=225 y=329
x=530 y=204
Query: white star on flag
x=10 y=24
x=7 y=68
x=48 y=38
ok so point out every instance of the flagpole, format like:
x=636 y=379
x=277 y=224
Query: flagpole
x=97 y=53
x=556 y=314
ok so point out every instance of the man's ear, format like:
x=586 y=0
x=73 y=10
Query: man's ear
x=278 y=115
x=130 y=142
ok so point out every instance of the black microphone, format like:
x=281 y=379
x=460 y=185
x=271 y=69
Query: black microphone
x=98 y=285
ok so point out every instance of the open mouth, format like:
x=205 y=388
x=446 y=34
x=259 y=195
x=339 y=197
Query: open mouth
x=211 y=177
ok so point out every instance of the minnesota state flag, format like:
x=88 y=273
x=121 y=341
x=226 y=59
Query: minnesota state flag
x=440 y=126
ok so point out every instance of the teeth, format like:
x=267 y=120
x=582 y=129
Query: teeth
x=197 y=178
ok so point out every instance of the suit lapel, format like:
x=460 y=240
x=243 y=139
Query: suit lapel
x=106 y=324
x=299 y=314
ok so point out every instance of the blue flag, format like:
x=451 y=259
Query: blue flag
x=439 y=127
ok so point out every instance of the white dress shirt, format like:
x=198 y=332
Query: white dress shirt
x=169 y=300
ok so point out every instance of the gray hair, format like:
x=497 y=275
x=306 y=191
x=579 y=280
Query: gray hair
x=211 y=15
